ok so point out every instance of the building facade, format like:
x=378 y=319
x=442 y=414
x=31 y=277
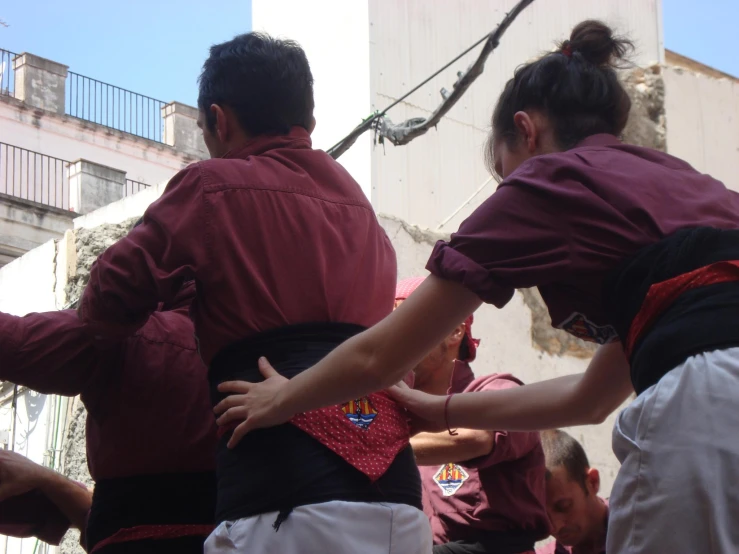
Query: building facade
x=364 y=54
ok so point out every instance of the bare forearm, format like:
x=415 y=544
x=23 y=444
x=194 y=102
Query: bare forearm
x=73 y=500
x=375 y=360
x=581 y=399
x=442 y=448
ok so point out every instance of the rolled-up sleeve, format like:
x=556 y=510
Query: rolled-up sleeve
x=151 y=263
x=517 y=238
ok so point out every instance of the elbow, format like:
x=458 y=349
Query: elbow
x=597 y=414
x=381 y=374
x=482 y=443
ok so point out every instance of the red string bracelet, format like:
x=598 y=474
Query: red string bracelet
x=446 y=415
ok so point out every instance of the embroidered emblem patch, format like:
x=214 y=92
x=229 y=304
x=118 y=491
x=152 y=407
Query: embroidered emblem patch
x=581 y=327
x=360 y=412
x=450 y=477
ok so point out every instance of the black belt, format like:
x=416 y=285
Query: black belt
x=165 y=499
x=281 y=468
x=699 y=320
x=490 y=542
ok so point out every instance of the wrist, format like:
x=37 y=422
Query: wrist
x=285 y=401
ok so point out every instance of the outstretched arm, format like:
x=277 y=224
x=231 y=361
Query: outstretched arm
x=48 y=352
x=382 y=355
x=371 y=361
x=580 y=399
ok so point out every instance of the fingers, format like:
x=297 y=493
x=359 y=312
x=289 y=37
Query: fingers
x=238 y=387
x=238 y=413
x=239 y=433
x=266 y=369
x=229 y=402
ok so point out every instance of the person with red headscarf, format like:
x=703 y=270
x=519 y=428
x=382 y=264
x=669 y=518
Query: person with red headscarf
x=483 y=491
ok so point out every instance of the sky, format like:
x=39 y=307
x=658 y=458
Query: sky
x=704 y=30
x=153 y=47
x=157 y=47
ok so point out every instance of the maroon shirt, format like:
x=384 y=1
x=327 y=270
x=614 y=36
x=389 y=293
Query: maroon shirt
x=275 y=234
x=562 y=221
x=503 y=491
x=147 y=398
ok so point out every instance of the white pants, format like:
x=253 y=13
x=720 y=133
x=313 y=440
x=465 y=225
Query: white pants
x=678 y=488
x=328 y=528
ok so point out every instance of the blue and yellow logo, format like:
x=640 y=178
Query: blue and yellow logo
x=450 y=477
x=360 y=412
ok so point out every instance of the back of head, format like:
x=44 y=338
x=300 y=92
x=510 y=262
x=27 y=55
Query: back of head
x=576 y=87
x=266 y=82
x=562 y=450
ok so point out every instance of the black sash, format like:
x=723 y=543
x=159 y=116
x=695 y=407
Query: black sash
x=281 y=468
x=166 y=499
x=700 y=320
x=491 y=542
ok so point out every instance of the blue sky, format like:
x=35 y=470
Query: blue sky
x=156 y=47
x=704 y=30
x=153 y=47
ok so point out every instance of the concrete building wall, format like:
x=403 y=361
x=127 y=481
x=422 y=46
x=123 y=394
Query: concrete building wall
x=70 y=139
x=24 y=225
x=425 y=181
x=702 y=115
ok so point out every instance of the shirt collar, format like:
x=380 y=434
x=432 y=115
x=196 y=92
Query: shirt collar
x=602 y=139
x=462 y=376
x=298 y=137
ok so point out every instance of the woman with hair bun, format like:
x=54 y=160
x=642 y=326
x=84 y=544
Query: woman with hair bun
x=630 y=248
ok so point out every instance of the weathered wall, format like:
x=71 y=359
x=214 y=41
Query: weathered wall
x=702 y=115
x=647 y=120
x=74 y=466
x=89 y=243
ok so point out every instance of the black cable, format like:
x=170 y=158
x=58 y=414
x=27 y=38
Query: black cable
x=414 y=89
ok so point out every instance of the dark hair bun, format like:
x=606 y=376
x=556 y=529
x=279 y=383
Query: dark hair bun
x=596 y=43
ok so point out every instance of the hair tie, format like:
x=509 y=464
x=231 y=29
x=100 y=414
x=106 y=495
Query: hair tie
x=566 y=49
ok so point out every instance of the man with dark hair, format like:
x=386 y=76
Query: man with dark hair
x=578 y=516
x=483 y=491
x=290 y=261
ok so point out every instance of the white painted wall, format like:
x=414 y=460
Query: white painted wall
x=702 y=121
x=335 y=37
x=70 y=139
